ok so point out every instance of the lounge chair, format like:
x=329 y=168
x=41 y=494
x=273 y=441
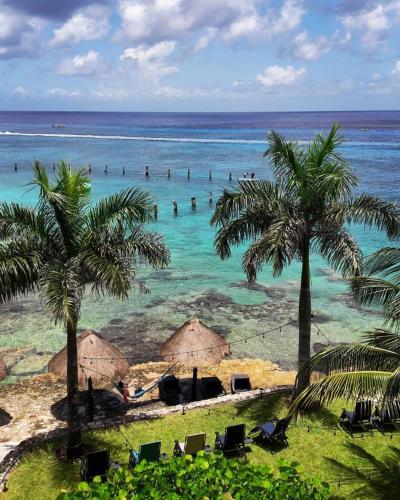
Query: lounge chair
x=148 y=451
x=273 y=431
x=360 y=418
x=192 y=445
x=169 y=390
x=95 y=463
x=240 y=382
x=211 y=387
x=233 y=440
x=388 y=417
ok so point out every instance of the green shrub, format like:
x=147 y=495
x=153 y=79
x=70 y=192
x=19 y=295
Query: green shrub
x=204 y=477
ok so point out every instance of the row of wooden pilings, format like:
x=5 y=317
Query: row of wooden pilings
x=146 y=172
x=193 y=203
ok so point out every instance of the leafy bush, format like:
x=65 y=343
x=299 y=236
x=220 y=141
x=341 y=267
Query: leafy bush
x=204 y=477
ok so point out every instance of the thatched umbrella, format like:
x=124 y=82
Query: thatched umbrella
x=3 y=370
x=194 y=344
x=97 y=358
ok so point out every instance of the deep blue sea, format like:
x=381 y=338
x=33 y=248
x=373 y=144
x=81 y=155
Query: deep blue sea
x=197 y=282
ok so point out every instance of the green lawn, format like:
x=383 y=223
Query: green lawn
x=40 y=476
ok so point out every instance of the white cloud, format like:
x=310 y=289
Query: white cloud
x=19 y=34
x=308 y=50
x=205 y=40
x=110 y=94
x=396 y=70
x=280 y=76
x=21 y=92
x=151 y=60
x=86 y=64
x=373 y=22
x=60 y=92
x=89 y=23
x=156 y=20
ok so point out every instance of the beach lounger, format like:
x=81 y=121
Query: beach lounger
x=359 y=419
x=388 y=417
x=272 y=431
x=240 y=382
x=95 y=463
x=148 y=451
x=233 y=440
x=192 y=445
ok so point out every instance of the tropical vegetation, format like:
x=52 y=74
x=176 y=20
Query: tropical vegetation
x=205 y=476
x=312 y=441
x=67 y=244
x=370 y=369
x=306 y=208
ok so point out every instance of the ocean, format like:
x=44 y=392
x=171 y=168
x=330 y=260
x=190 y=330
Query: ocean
x=197 y=283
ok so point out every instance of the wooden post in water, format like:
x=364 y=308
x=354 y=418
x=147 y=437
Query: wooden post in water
x=146 y=173
x=169 y=173
x=15 y=166
x=90 y=168
x=210 y=197
x=155 y=210
x=175 y=205
x=209 y=176
x=123 y=170
x=188 y=173
x=193 y=200
x=230 y=176
x=90 y=400
x=106 y=169
x=54 y=166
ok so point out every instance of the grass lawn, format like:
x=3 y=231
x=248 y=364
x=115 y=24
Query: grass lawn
x=40 y=476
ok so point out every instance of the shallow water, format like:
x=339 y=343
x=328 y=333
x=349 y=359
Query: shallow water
x=197 y=282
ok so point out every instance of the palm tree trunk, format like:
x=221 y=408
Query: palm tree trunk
x=303 y=378
x=74 y=430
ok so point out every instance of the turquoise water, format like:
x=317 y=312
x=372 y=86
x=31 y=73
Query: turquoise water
x=197 y=281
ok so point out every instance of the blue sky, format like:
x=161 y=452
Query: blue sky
x=199 y=55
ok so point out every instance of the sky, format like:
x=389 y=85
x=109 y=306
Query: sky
x=199 y=55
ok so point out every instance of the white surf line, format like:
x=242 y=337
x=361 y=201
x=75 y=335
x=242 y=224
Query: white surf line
x=134 y=138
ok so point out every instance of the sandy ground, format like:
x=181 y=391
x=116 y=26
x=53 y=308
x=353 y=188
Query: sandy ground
x=25 y=407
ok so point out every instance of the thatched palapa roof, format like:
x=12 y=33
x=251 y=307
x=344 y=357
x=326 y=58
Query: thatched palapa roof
x=97 y=358
x=3 y=370
x=209 y=346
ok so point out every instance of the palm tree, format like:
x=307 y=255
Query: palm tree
x=369 y=369
x=304 y=209
x=66 y=244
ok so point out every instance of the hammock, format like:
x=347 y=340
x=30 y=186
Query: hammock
x=140 y=392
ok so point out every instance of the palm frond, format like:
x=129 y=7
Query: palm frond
x=385 y=261
x=61 y=291
x=371 y=211
x=250 y=224
x=384 y=339
x=266 y=195
x=354 y=357
x=392 y=389
x=107 y=275
x=348 y=385
x=133 y=206
x=20 y=265
x=288 y=161
x=324 y=149
x=278 y=245
x=146 y=247
x=340 y=249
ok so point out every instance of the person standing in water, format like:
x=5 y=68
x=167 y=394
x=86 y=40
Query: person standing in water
x=146 y=173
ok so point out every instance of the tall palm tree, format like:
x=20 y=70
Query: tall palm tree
x=304 y=209
x=66 y=244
